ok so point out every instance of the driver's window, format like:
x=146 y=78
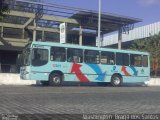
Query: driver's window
x=39 y=57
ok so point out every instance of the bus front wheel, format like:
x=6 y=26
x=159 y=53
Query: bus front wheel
x=55 y=79
x=116 y=80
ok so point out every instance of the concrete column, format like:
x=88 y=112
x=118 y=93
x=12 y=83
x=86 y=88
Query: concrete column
x=80 y=35
x=42 y=35
x=0 y=68
x=99 y=23
x=0 y=64
x=34 y=31
x=120 y=38
x=23 y=33
x=102 y=40
x=2 y=31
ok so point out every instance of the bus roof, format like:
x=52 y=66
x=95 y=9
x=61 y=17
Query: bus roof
x=87 y=47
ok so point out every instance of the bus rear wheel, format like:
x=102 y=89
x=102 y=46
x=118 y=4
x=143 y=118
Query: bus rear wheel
x=55 y=79
x=116 y=80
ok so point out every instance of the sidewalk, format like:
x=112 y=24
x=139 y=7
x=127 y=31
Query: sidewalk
x=153 y=82
x=14 y=79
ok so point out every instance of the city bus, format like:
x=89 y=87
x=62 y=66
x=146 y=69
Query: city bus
x=55 y=63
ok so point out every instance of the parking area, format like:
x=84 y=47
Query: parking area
x=79 y=99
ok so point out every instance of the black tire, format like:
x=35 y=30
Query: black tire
x=55 y=79
x=45 y=83
x=116 y=80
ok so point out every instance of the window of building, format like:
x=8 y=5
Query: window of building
x=136 y=60
x=58 y=54
x=145 y=61
x=91 y=56
x=107 y=58
x=122 y=59
x=74 y=55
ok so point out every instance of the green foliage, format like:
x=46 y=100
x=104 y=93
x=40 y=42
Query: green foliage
x=151 y=45
x=140 y=44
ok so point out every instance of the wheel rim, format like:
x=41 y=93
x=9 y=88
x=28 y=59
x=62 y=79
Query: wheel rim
x=116 y=81
x=56 y=80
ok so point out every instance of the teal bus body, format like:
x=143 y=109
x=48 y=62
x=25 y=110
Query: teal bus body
x=101 y=68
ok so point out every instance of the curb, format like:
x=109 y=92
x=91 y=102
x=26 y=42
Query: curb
x=14 y=79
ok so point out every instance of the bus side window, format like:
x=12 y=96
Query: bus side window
x=40 y=57
x=136 y=60
x=111 y=62
x=76 y=59
x=75 y=55
x=92 y=56
x=145 y=61
x=58 y=54
x=59 y=58
x=122 y=59
x=107 y=58
x=69 y=59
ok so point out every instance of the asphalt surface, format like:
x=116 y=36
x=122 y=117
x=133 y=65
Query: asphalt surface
x=79 y=100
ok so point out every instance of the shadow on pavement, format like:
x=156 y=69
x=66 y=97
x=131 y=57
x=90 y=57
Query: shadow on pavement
x=91 y=84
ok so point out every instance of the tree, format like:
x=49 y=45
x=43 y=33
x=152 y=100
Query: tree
x=3 y=8
x=152 y=45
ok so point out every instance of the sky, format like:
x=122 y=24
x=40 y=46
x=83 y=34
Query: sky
x=147 y=10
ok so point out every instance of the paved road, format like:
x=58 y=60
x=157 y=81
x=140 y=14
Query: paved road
x=79 y=99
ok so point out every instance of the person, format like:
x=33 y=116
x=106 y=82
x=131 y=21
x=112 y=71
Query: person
x=111 y=62
x=75 y=59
